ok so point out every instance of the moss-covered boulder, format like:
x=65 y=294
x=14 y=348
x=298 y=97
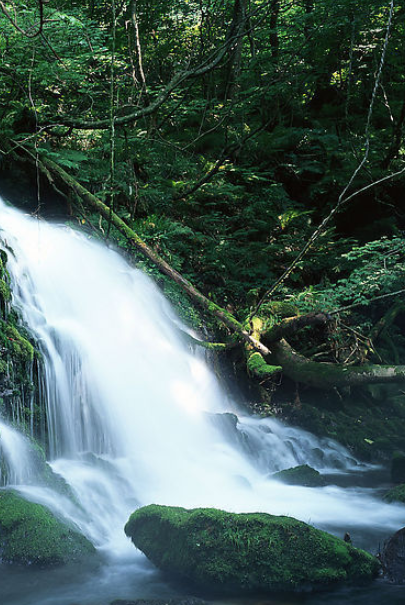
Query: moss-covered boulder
x=396 y=494
x=300 y=475
x=31 y=534
x=245 y=553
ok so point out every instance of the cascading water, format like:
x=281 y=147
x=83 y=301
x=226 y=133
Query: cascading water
x=17 y=464
x=134 y=416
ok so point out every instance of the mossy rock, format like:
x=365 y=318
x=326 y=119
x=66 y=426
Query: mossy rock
x=229 y=553
x=41 y=473
x=396 y=494
x=20 y=346
x=300 y=475
x=45 y=473
x=31 y=534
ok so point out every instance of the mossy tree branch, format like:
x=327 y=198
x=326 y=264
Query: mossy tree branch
x=256 y=364
x=325 y=375
x=290 y=325
x=48 y=166
x=210 y=346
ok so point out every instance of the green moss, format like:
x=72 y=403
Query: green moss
x=245 y=553
x=17 y=355
x=21 y=347
x=5 y=293
x=257 y=325
x=300 y=475
x=396 y=494
x=282 y=309
x=45 y=474
x=257 y=366
x=31 y=534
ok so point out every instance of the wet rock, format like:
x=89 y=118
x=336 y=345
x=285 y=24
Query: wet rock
x=31 y=535
x=300 y=475
x=227 y=423
x=234 y=554
x=393 y=557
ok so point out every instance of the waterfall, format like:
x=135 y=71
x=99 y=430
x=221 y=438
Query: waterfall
x=133 y=415
x=18 y=465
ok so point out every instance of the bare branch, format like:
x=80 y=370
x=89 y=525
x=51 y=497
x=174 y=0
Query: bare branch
x=235 y=31
x=14 y=23
x=361 y=304
x=342 y=197
x=317 y=233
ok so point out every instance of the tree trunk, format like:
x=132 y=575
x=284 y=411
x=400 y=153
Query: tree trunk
x=239 y=19
x=323 y=375
x=291 y=325
x=274 y=41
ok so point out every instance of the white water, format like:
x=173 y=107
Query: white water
x=15 y=452
x=127 y=403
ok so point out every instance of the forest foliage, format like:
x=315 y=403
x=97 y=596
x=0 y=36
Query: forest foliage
x=224 y=133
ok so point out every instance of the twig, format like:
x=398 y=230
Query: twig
x=366 y=302
x=14 y=23
x=342 y=199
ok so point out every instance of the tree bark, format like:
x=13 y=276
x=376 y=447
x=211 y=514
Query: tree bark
x=137 y=42
x=274 y=41
x=291 y=325
x=239 y=19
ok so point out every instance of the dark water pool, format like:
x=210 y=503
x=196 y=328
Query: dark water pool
x=100 y=584
x=378 y=593
x=101 y=581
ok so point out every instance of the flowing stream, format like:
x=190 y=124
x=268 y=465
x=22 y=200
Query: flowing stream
x=134 y=417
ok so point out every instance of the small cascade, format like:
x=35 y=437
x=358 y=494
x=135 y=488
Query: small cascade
x=276 y=447
x=17 y=462
x=133 y=416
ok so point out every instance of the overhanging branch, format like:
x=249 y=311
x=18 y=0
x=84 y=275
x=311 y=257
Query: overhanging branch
x=236 y=30
x=133 y=238
x=291 y=325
